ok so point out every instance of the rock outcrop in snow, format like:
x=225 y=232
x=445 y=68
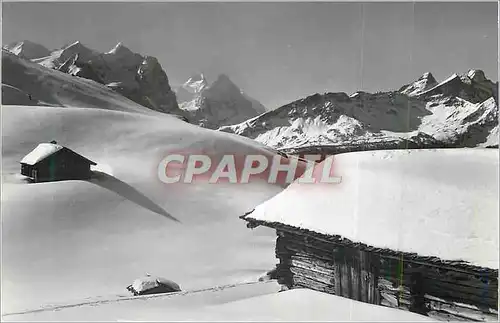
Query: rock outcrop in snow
x=217 y=104
x=460 y=111
x=137 y=77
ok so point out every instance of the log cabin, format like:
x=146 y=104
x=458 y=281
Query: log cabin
x=415 y=230
x=53 y=162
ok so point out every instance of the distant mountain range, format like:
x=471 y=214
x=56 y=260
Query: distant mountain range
x=139 y=78
x=142 y=79
x=460 y=111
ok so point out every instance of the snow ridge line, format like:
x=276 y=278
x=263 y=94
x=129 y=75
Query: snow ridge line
x=131 y=298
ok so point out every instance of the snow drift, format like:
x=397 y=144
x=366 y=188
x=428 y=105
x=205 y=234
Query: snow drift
x=70 y=240
x=253 y=302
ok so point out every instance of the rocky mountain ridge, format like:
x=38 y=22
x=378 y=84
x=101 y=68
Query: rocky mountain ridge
x=459 y=111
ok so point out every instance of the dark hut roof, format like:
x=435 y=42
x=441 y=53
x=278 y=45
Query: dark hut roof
x=45 y=150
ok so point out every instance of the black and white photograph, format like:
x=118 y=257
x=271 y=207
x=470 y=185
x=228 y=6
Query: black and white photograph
x=249 y=161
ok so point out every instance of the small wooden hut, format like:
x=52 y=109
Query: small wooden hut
x=52 y=162
x=410 y=229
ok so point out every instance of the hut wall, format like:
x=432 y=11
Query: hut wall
x=61 y=166
x=440 y=290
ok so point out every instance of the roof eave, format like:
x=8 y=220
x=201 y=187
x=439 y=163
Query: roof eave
x=436 y=261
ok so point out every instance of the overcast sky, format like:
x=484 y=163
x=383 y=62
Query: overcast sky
x=278 y=52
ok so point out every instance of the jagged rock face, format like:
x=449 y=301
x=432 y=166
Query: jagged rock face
x=424 y=113
x=139 y=78
x=27 y=49
x=191 y=88
x=472 y=86
x=220 y=103
x=425 y=82
x=155 y=92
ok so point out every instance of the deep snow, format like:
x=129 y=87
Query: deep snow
x=441 y=203
x=71 y=240
x=244 y=302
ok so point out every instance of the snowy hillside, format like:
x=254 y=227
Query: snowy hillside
x=27 y=83
x=217 y=104
x=76 y=239
x=460 y=111
x=139 y=78
x=257 y=302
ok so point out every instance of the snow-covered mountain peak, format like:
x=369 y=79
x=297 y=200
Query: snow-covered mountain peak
x=120 y=49
x=223 y=85
x=427 y=76
x=75 y=46
x=219 y=103
x=450 y=113
x=69 y=51
x=476 y=75
x=196 y=83
x=472 y=86
x=423 y=83
x=137 y=77
x=28 y=49
x=200 y=77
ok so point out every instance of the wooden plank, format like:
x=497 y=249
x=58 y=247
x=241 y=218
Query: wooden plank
x=467 y=284
x=364 y=287
x=459 y=279
x=443 y=316
x=312 y=284
x=461 y=297
x=326 y=279
x=338 y=280
x=313 y=266
x=318 y=262
x=388 y=254
x=488 y=293
x=458 y=309
x=355 y=282
x=344 y=277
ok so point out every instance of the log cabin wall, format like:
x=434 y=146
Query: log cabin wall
x=418 y=284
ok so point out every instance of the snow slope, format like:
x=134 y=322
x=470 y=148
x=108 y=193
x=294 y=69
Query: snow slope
x=54 y=88
x=441 y=203
x=70 y=240
x=460 y=111
x=12 y=95
x=137 y=77
x=216 y=104
x=250 y=302
x=93 y=238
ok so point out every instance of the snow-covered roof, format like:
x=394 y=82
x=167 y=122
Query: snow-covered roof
x=41 y=152
x=433 y=202
x=44 y=150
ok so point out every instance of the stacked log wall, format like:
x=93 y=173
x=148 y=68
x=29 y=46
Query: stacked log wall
x=437 y=289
